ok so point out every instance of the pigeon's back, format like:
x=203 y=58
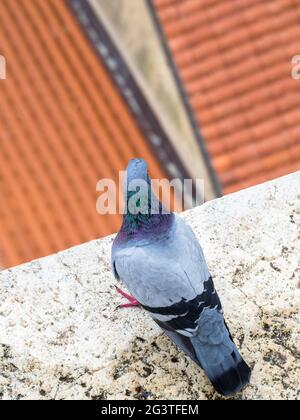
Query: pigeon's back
x=167 y=273
x=158 y=269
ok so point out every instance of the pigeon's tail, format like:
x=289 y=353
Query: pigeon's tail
x=227 y=371
x=213 y=349
x=230 y=376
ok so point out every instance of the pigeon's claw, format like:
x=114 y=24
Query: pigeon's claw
x=132 y=301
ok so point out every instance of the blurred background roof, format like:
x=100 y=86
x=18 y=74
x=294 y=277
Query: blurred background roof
x=197 y=88
x=64 y=125
x=234 y=60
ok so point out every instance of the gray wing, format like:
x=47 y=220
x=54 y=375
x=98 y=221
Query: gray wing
x=171 y=280
x=164 y=273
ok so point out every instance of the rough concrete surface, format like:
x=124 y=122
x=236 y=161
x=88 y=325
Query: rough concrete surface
x=61 y=336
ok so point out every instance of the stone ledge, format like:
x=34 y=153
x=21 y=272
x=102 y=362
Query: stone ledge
x=61 y=336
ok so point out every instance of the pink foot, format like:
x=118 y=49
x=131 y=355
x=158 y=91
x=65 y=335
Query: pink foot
x=132 y=301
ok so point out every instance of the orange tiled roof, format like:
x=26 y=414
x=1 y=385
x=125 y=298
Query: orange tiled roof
x=234 y=59
x=64 y=125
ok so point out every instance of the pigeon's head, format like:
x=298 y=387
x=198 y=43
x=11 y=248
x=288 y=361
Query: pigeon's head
x=144 y=213
x=137 y=170
x=138 y=187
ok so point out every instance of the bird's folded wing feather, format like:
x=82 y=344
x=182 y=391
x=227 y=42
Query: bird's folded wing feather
x=164 y=273
x=171 y=280
x=155 y=279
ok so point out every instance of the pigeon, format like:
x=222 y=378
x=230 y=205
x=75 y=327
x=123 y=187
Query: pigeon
x=159 y=259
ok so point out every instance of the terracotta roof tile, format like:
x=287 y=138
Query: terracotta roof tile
x=64 y=125
x=234 y=59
